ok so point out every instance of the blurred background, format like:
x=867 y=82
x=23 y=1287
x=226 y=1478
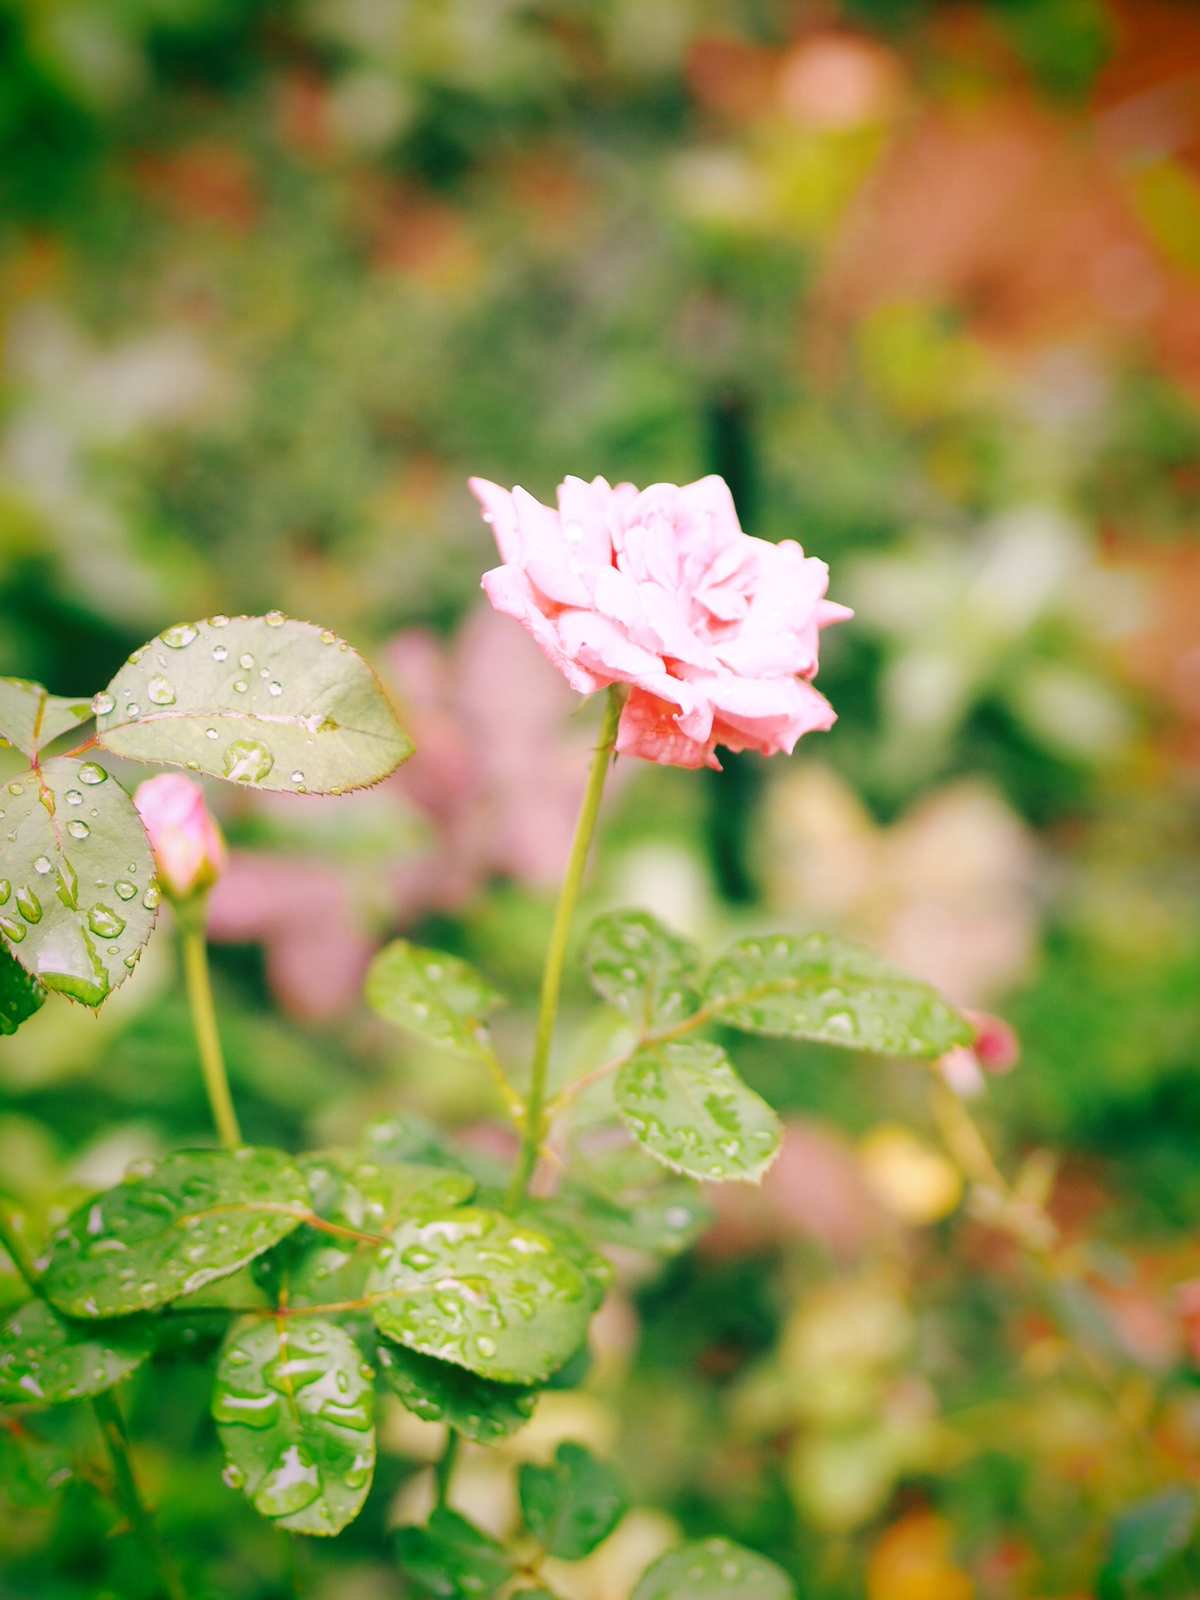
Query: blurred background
x=923 y=282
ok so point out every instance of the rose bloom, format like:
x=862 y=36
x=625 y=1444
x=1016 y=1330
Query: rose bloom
x=715 y=632
x=189 y=850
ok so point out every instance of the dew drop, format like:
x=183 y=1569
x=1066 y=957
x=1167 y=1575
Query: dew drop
x=245 y=659
x=43 y=864
x=274 y=619
x=297 y=776
x=211 y=733
x=275 y=688
x=16 y=788
x=29 y=905
x=133 y=709
x=219 y=621
x=247 y=761
x=104 y=920
x=78 y=829
x=74 y=798
x=178 y=637
x=90 y=772
x=151 y=897
x=220 y=652
x=160 y=692
x=125 y=889
x=102 y=703
x=240 y=686
x=327 y=637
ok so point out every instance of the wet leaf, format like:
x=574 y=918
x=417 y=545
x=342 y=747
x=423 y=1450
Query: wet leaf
x=354 y=1192
x=196 y=1216
x=819 y=987
x=573 y=1504
x=438 y=1391
x=21 y=995
x=295 y=1411
x=687 y=1106
x=78 y=896
x=30 y=716
x=476 y=1288
x=665 y=1220
x=48 y=1359
x=451 y=1559
x=408 y=1138
x=642 y=968
x=32 y=1469
x=264 y=701
x=572 y=1241
x=436 y=996
x=713 y=1569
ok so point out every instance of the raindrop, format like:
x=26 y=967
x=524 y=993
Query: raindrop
x=275 y=688
x=274 y=619
x=160 y=692
x=178 y=637
x=220 y=653
x=89 y=772
x=43 y=864
x=297 y=776
x=248 y=761
x=233 y=1476
x=219 y=621
x=105 y=921
x=328 y=638
x=245 y=659
x=133 y=709
x=102 y=703
x=125 y=889
x=240 y=686
x=74 y=798
x=210 y=733
x=16 y=788
x=29 y=905
x=151 y=897
x=78 y=829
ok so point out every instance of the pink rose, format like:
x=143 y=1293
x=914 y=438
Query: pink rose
x=715 y=632
x=189 y=851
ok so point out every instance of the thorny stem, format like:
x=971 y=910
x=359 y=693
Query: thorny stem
x=204 y=1022
x=129 y=1494
x=112 y=1429
x=556 y=952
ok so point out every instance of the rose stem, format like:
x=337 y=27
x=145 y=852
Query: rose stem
x=556 y=951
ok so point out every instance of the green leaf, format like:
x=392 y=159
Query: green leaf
x=476 y=1288
x=354 y=1192
x=451 y=1559
x=196 y=1216
x=78 y=894
x=642 y=968
x=265 y=701
x=30 y=717
x=688 y=1107
x=572 y=1505
x=46 y=1358
x=32 y=1469
x=20 y=993
x=665 y=1220
x=408 y=1138
x=572 y=1241
x=713 y=1569
x=436 y=996
x=819 y=987
x=438 y=1391
x=295 y=1412
x=1148 y=1535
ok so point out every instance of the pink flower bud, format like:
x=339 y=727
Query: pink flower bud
x=188 y=848
x=996 y=1046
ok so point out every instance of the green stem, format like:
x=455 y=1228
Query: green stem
x=204 y=1022
x=556 y=952
x=129 y=1495
x=445 y=1466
